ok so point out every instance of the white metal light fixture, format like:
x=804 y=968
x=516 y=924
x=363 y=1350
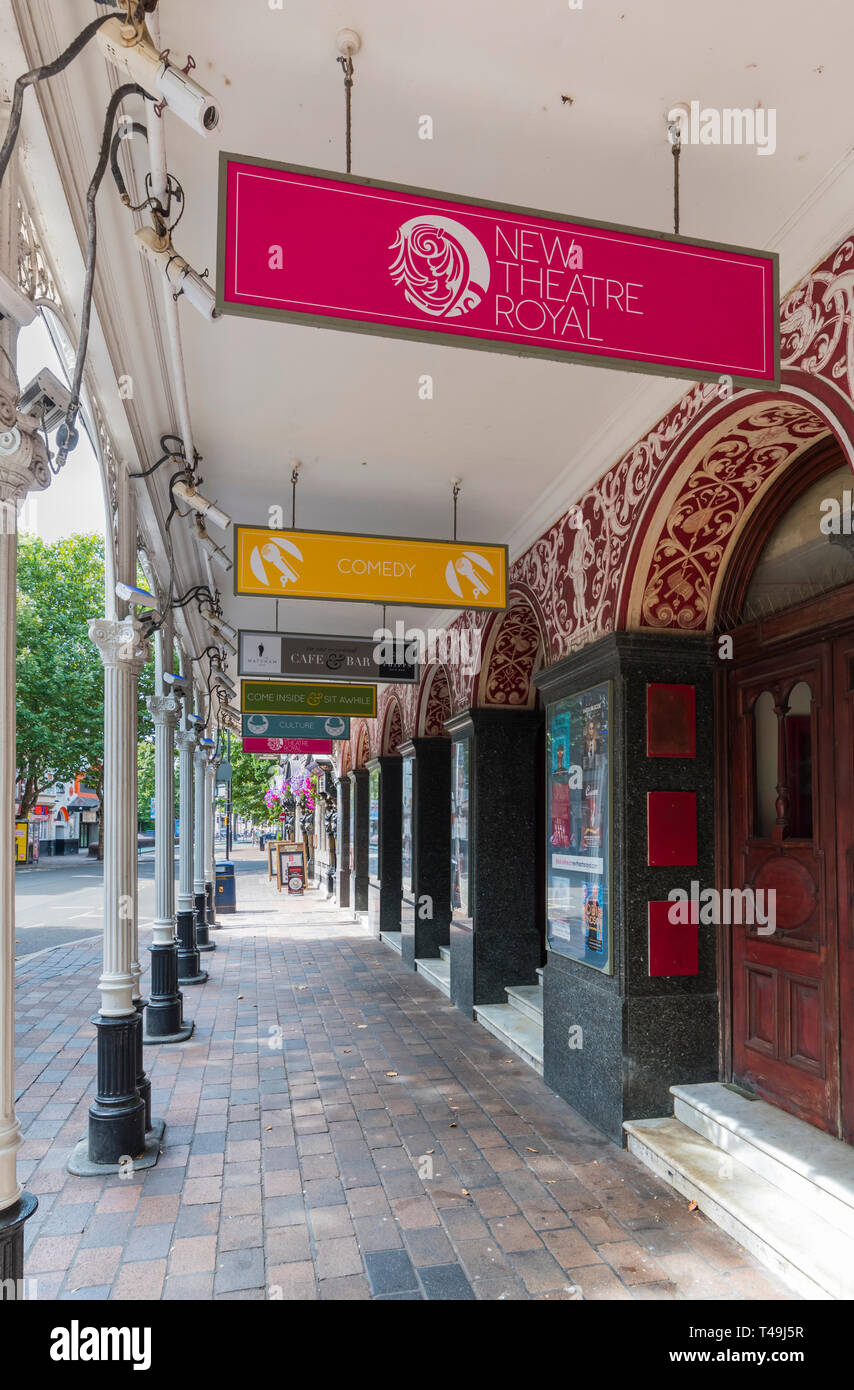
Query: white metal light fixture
x=134 y=53
x=141 y=598
x=178 y=271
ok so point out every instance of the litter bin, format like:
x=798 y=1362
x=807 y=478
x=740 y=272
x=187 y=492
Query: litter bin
x=226 y=894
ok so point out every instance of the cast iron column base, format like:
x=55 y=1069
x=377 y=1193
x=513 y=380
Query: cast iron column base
x=163 y=1020
x=117 y=1114
x=189 y=971
x=12 y=1286
x=203 y=940
x=143 y=1082
x=211 y=909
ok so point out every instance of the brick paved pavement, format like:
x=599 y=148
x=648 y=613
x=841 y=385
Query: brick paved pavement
x=337 y=1130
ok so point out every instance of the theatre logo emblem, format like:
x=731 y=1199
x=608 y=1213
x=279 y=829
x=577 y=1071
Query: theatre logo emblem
x=473 y=568
x=441 y=265
x=272 y=563
x=76 y=1343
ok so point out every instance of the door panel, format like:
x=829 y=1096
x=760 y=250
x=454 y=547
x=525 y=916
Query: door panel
x=844 y=729
x=784 y=838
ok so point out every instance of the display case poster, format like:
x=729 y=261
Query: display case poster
x=374 y=823
x=460 y=810
x=579 y=827
x=406 y=825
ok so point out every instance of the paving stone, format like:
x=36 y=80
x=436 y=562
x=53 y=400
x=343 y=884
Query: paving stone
x=284 y=1170
x=445 y=1282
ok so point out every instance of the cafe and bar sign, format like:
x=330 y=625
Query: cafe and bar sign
x=338 y=251
x=305 y=697
x=299 y=656
x=369 y=569
x=295 y=726
x=272 y=747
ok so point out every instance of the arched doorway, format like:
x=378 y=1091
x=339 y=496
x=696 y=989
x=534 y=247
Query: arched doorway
x=785 y=701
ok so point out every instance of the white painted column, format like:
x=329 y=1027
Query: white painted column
x=186 y=740
x=164 y=711
x=199 y=819
x=22 y=467
x=124 y=652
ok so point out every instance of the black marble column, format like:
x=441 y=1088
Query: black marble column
x=342 y=870
x=12 y=1286
x=358 y=839
x=425 y=913
x=498 y=942
x=615 y=1043
x=384 y=887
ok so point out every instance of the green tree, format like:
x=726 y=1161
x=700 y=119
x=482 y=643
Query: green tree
x=145 y=782
x=60 y=677
x=250 y=779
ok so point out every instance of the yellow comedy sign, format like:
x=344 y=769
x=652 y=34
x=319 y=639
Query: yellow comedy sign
x=369 y=569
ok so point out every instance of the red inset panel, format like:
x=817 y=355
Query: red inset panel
x=671 y=721
x=673 y=946
x=671 y=827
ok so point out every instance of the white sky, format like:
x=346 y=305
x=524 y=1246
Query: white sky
x=74 y=502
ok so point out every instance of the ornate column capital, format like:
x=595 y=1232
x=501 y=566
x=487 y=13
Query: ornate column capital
x=23 y=458
x=185 y=739
x=120 y=642
x=164 y=709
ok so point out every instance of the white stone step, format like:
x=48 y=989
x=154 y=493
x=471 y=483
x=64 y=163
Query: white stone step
x=437 y=971
x=813 y=1258
x=528 y=999
x=445 y=953
x=516 y=1030
x=392 y=939
x=814 y=1168
x=540 y=969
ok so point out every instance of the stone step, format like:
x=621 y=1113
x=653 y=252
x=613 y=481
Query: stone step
x=437 y=971
x=540 y=969
x=445 y=953
x=516 y=1030
x=808 y=1165
x=813 y=1258
x=392 y=939
x=528 y=999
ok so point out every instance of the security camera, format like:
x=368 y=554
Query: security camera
x=180 y=684
x=212 y=550
x=196 y=719
x=222 y=626
x=139 y=59
x=13 y=304
x=222 y=679
x=46 y=399
x=223 y=641
x=207 y=743
x=178 y=271
x=200 y=504
x=141 y=598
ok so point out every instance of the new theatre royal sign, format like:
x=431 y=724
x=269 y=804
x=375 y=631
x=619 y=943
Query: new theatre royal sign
x=336 y=251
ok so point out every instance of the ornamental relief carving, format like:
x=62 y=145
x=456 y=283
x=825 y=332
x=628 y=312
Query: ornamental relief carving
x=711 y=508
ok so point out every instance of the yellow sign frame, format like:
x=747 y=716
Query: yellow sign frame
x=376 y=569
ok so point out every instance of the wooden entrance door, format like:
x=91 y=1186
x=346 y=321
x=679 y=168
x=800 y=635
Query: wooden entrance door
x=844 y=770
x=787 y=730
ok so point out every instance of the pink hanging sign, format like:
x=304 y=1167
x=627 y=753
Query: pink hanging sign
x=335 y=251
x=273 y=746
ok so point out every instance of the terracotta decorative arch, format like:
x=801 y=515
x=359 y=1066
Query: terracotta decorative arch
x=434 y=703
x=514 y=649
x=346 y=761
x=363 y=746
x=715 y=485
x=392 y=735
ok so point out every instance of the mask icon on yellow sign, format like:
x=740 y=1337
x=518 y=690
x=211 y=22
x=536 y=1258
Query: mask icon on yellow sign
x=271 y=563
